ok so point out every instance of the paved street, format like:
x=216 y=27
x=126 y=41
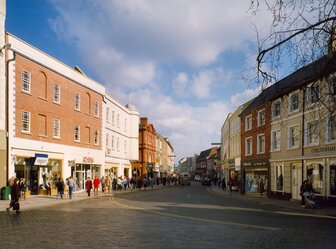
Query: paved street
x=192 y=217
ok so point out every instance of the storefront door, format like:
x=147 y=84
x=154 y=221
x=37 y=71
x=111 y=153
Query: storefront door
x=296 y=183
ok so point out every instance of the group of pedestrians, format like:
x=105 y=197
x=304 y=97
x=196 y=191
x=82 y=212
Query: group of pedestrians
x=226 y=187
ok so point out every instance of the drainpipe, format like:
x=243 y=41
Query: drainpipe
x=303 y=133
x=7 y=113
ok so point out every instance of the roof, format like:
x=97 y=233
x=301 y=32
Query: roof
x=297 y=79
x=204 y=154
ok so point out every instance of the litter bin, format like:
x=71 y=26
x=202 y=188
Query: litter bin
x=5 y=193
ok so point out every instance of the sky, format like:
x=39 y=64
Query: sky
x=184 y=64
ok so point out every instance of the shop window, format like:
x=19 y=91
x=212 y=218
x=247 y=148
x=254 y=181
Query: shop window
x=279 y=177
x=315 y=177
x=333 y=179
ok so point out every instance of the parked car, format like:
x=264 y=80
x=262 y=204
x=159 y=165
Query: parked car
x=206 y=181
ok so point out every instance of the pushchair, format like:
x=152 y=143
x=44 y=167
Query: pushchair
x=310 y=200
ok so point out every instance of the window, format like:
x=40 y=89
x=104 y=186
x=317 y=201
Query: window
x=107 y=115
x=248 y=146
x=333 y=179
x=279 y=177
x=56 y=129
x=96 y=109
x=261 y=143
x=312 y=133
x=25 y=120
x=313 y=94
x=26 y=80
x=248 y=123
x=113 y=117
x=96 y=137
x=261 y=117
x=117 y=144
x=293 y=137
x=125 y=146
x=332 y=86
x=125 y=124
x=276 y=108
x=315 y=177
x=112 y=140
x=107 y=142
x=275 y=140
x=77 y=133
x=294 y=102
x=77 y=102
x=118 y=119
x=57 y=94
x=331 y=130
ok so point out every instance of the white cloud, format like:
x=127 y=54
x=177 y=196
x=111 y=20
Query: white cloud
x=180 y=84
x=241 y=98
x=202 y=84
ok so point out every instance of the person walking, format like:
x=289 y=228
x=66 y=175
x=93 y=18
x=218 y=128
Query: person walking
x=223 y=184
x=303 y=190
x=71 y=184
x=96 y=183
x=230 y=183
x=60 y=188
x=88 y=185
x=102 y=181
x=261 y=186
x=15 y=196
x=23 y=188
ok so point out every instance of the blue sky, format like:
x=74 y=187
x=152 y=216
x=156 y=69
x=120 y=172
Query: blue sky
x=184 y=64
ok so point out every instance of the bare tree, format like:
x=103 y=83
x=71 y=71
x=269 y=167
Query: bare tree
x=301 y=32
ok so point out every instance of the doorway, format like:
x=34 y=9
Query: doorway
x=296 y=182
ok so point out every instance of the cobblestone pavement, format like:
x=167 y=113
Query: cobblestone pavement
x=192 y=217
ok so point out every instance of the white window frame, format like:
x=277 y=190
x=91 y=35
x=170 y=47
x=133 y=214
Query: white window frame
x=247 y=118
x=125 y=146
x=277 y=140
x=117 y=143
x=118 y=120
x=96 y=137
x=107 y=115
x=261 y=117
x=96 y=109
x=259 y=149
x=25 y=81
x=56 y=128
x=25 y=121
x=125 y=124
x=290 y=109
x=251 y=150
x=112 y=142
x=311 y=96
x=329 y=129
x=113 y=118
x=57 y=93
x=77 y=101
x=273 y=109
x=77 y=133
x=289 y=146
x=315 y=141
x=332 y=86
x=107 y=140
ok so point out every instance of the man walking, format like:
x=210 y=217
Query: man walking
x=88 y=185
x=96 y=183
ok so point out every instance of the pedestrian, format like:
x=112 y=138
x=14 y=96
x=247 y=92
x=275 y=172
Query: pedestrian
x=71 y=184
x=48 y=186
x=96 y=183
x=60 y=188
x=230 y=183
x=102 y=181
x=303 y=190
x=15 y=196
x=223 y=184
x=23 y=188
x=125 y=183
x=119 y=183
x=88 y=185
x=145 y=183
x=261 y=186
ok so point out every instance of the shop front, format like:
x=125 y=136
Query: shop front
x=84 y=169
x=255 y=176
x=36 y=170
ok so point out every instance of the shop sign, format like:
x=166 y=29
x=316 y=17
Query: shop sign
x=71 y=163
x=149 y=167
x=88 y=159
x=41 y=159
x=256 y=163
x=231 y=163
x=324 y=149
